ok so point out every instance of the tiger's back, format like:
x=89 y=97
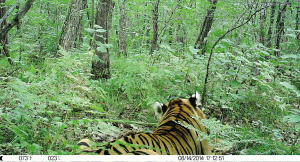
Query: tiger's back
x=177 y=133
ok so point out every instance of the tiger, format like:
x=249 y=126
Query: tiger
x=171 y=136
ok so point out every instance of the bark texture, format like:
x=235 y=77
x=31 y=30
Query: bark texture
x=72 y=26
x=123 y=33
x=269 y=39
x=280 y=27
x=155 y=28
x=16 y=19
x=206 y=26
x=100 y=66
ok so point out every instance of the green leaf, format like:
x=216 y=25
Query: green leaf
x=107 y=45
x=166 y=46
x=277 y=133
x=292 y=87
x=89 y=30
x=74 y=122
x=235 y=83
x=224 y=61
x=50 y=152
x=97 y=26
x=101 y=30
x=95 y=107
x=101 y=49
x=264 y=53
x=56 y=118
x=24 y=144
x=290 y=56
x=292 y=118
x=297 y=127
x=37 y=146
x=291 y=35
x=287 y=85
x=193 y=50
x=231 y=72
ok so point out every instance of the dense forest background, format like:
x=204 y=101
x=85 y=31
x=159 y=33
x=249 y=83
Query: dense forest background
x=73 y=69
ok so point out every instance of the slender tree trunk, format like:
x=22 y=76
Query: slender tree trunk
x=2 y=13
x=262 y=25
x=171 y=34
x=181 y=35
x=297 y=25
x=4 y=50
x=111 y=8
x=155 y=28
x=280 y=27
x=206 y=26
x=92 y=21
x=123 y=33
x=4 y=30
x=72 y=25
x=269 y=39
x=212 y=50
x=146 y=27
x=100 y=66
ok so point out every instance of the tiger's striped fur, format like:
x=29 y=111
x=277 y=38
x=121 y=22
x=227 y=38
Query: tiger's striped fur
x=170 y=138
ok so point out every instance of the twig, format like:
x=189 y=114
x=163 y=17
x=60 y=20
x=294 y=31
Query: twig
x=212 y=49
x=9 y=74
x=8 y=12
x=129 y=122
x=16 y=19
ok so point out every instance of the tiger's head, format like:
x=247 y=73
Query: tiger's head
x=190 y=106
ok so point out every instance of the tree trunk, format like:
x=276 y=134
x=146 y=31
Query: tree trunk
x=262 y=25
x=4 y=51
x=155 y=28
x=171 y=34
x=111 y=8
x=2 y=13
x=206 y=26
x=100 y=66
x=72 y=25
x=212 y=50
x=279 y=27
x=297 y=25
x=4 y=30
x=123 y=33
x=181 y=35
x=92 y=21
x=269 y=41
x=16 y=19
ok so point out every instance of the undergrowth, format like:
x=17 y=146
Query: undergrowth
x=47 y=107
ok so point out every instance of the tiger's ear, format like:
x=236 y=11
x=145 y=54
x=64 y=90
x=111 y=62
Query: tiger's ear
x=195 y=99
x=159 y=109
